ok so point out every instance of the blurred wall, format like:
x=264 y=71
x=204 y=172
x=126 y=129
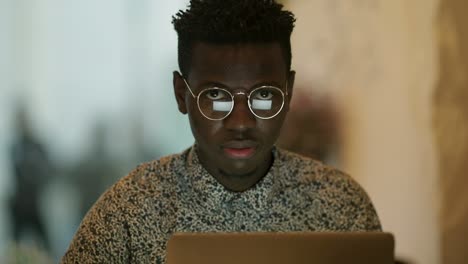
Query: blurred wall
x=451 y=126
x=378 y=60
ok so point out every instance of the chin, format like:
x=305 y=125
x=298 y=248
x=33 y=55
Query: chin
x=240 y=168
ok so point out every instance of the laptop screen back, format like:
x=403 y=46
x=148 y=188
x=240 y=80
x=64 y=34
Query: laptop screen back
x=276 y=248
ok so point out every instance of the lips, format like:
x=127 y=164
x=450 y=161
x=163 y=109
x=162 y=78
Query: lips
x=240 y=149
x=242 y=153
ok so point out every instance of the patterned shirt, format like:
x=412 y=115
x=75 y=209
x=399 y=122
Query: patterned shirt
x=133 y=220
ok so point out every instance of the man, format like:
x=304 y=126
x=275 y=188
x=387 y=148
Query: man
x=235 y=86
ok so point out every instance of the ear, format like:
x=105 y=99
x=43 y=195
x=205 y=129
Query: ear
x=180 y=91
x=291 y=78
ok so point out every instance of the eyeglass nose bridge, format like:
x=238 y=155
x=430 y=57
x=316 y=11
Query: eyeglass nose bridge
x=247 y=95
x=240 y=92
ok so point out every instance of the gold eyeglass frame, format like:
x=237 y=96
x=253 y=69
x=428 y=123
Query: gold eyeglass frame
x=197 y=97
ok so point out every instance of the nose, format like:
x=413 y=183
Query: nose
x=240 y=119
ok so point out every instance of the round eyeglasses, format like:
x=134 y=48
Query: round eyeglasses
x=214 y=103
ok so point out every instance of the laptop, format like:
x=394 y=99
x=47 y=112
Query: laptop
x=281 y=248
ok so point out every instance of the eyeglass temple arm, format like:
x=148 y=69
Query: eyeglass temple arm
x=188 y=86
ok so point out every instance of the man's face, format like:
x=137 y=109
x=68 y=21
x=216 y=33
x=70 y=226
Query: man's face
x=237 y=149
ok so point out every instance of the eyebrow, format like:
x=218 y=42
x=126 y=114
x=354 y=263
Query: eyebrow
x=209 y=84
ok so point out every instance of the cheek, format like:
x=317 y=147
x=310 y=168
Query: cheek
x=203 y=130
x=271 y=128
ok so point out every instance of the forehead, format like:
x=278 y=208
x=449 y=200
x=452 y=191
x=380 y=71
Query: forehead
x=234 y=64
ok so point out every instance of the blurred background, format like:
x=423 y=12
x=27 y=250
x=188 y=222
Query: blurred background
x=86 y=95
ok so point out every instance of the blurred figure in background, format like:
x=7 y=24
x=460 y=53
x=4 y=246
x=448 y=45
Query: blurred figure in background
x=32 y=171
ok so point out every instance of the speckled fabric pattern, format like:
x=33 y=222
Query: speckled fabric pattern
x=133 y=220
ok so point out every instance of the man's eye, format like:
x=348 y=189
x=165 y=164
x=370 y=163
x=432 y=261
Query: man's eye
x=215 y=95
x=263 y=95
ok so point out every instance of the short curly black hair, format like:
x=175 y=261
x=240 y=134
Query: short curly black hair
x=232 y=22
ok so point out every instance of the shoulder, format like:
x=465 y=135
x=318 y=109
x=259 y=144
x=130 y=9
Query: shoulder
x=332 y=190
x=148 y=179
x=299 y=170
x=123 y=210
x=305 y=171
x=156 y=171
